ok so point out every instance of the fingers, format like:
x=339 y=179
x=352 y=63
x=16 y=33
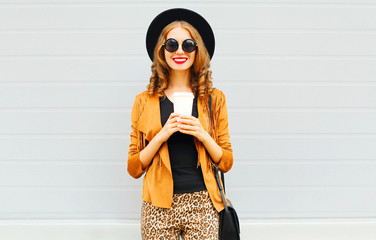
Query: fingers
x=187 y=127
x=172 y=125
x=184 y=123
x=174 y=115
x=188 y=121
x=172 y=122
x=173 y=118
x=188 y=117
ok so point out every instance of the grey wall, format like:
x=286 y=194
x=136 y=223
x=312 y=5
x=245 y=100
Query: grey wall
x=300 y=81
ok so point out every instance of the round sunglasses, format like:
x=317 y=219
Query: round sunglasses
x=188 y=45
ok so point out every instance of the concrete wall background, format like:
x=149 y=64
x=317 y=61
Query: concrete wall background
x=300 y=81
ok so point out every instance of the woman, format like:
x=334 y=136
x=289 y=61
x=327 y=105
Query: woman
x=180 y=194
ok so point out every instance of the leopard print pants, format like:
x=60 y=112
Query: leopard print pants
x=191 y=216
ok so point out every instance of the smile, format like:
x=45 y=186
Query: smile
x=180 y=60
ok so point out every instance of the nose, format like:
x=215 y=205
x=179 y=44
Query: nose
x=180 y=49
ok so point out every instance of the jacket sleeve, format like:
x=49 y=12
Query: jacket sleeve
x=134 y=164
x=223 y=136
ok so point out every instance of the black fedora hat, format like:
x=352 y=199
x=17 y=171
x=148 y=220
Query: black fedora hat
x=176 y=14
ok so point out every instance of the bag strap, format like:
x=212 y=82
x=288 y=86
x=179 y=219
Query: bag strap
x=217 y=173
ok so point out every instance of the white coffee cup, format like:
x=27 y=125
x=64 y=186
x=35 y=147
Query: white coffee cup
x=183 y=102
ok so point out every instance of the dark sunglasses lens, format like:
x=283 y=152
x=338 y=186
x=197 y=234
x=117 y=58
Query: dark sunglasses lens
x=189 y=45
x=171 y=45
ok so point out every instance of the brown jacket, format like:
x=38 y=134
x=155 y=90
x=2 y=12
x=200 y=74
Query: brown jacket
x=146 y=123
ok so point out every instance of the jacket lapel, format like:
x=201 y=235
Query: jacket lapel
x=202 y=117
x=201 y=114
x=150 y=124
x=150 y=119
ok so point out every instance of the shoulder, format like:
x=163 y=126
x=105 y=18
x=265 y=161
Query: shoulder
x=139 y=101
x=141 y=98
x=138 y=105
x=218 y=96
x=218 y=92
x=142 y=95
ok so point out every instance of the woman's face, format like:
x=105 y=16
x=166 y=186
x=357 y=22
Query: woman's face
x=179 y=60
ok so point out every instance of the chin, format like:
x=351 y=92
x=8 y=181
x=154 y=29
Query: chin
x=180 y=67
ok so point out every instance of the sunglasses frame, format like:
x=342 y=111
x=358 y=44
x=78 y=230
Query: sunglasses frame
x=182 y=45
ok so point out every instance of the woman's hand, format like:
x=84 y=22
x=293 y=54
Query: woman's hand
x=170 y=127
x=192 y=126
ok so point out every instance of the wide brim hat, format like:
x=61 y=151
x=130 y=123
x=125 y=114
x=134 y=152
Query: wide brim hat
x=177 y=14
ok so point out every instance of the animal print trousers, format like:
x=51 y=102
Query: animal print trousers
x=191 y=216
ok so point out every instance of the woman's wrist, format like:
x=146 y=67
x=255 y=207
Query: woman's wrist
x=206 y=138
x=212 y=147
x=147 y=154
x=158 y=138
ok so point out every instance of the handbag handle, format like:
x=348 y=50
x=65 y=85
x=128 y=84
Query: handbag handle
x=220 y=186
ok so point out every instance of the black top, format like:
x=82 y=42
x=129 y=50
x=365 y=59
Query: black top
x=186 y=175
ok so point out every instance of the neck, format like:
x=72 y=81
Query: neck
x=180 y=80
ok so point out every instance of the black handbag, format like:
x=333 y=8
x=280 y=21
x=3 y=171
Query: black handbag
x=229 y=228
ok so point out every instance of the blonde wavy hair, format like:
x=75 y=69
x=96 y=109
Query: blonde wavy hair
x=200 y=74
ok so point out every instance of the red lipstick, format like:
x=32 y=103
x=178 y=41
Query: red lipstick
x=180 y=60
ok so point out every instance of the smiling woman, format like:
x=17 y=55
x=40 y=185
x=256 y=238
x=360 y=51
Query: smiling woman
x=176 y=151
x=198 y=58
x=177 y=58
